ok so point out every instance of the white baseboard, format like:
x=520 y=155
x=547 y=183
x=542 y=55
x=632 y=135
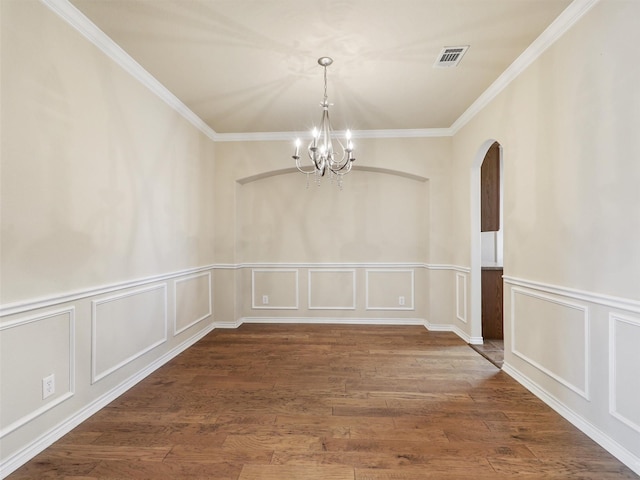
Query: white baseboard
x=432 y=327
x=18 y=459
x=606 y=442
x=445 y=327
x=334 y=320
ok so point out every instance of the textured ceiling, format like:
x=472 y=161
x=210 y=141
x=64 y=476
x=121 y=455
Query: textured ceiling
x=251 y=65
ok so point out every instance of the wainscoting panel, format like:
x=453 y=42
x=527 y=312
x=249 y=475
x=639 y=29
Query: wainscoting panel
x=624 y=375
x=126 y=326
x=553 y=336
x=461 y=297
x=390 y=289
x=192 y=301
x=332 y=289
x=274 y=289
x=30 y=350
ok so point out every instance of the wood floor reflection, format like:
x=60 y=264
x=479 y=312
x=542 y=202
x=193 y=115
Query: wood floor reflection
x=326 y=402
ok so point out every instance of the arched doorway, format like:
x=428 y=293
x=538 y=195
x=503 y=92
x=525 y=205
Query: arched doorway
x=486 y=251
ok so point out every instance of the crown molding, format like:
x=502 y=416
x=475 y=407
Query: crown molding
x=70 y=14
x=75 y=18
x=288 y=136
x=553 y=32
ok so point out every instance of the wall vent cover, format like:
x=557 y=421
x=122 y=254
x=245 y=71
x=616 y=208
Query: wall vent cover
x=450 y=56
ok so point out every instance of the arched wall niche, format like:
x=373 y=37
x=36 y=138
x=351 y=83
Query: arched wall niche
x=285 y=171
x=379 y=216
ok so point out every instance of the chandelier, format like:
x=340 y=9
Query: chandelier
x=325 y=152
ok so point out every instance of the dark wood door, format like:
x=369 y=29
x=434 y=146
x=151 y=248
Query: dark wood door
x=492 y=316
x=490 y=190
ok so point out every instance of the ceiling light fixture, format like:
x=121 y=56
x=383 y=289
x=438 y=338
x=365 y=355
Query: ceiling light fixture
x=326 y=152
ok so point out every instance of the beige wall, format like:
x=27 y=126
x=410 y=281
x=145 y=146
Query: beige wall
x=568 y=127
x=399 y=182
x=101 y=181
x=393 y=211
x=104 y=185
x=107 y=208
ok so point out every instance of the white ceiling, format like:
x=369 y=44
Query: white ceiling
x=251 y=65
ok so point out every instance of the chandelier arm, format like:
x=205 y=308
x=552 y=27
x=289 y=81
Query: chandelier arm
x=322 y=155
x=299 y=167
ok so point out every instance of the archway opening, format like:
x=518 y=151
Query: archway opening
x=487 y=220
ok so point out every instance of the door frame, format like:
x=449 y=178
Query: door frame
x=476 y=239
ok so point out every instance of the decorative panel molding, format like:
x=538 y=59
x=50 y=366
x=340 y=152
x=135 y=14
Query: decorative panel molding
x=192 y=301
x=619 y=303
x=274 y=289
x=30 y=349
x=66 y=297
x=553 y=336
x=125 y=327
x=624 y=379
x=389 y=289
x=29 y=305
x=332 y=289
x=461 y=297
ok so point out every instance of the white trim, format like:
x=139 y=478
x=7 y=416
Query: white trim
x=335 y=320
x=548 y=37
x=64 y=297
x=57 y=299
x=175 y=302
x=234 y=324
x=444 y=327
x=615 y=317
x=97 y=37
x=390 y=270
x=111 y=49
x=593 y=432
x=620 y=303
x=290 y=136
x=331 y=270
x=95 y=377
x=55 y=401
x=355 y=321
x=296 y=306
x=301 y=265
x=584 y=393
x=15 y=461
x=461 y=316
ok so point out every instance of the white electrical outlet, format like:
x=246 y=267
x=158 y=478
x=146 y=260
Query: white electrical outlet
x=265 y=299
x=400 y=300
x=48 y=386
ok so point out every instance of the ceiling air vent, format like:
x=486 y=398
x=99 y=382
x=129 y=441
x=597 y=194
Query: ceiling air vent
x=450 y=56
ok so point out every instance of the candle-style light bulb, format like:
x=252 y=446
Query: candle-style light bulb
x=297 y=146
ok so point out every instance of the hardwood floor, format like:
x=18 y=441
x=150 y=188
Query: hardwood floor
x=492 y=350
x=326 y=402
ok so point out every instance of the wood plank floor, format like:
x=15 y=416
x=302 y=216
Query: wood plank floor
x=326 y=402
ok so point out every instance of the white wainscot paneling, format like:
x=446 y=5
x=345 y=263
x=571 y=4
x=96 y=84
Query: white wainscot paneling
x=192 y=301
x=624 y=374
x=274 y=289
x=332 y=289
x=552 y=335
x=389 y=289
x=461 y=297
x=125 y=327
x=31 y=349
